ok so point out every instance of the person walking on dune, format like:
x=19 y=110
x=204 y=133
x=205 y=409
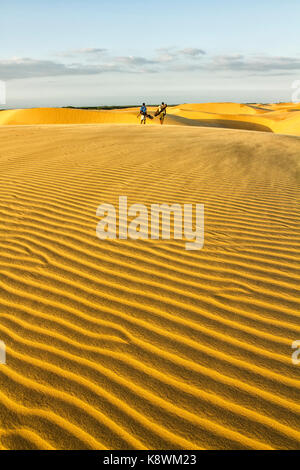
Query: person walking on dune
x=161 y=112
x=143 y=113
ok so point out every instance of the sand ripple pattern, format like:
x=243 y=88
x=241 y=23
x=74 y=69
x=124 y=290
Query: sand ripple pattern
x=141 y=344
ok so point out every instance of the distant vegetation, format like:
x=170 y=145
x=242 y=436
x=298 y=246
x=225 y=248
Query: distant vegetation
x=97 y=108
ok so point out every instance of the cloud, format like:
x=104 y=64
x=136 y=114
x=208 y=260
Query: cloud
x=170 y=54
x=192 y=52
x=258 y=64
x=88 y=51
x=239 y=64
x=132 y=60
x=166 y=54
x=20 y=68
x=27 y=68
x=166 y=60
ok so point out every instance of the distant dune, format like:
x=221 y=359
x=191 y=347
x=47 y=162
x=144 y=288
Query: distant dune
x=281 y=118
x=141 y=344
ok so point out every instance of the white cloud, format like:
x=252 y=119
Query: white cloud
x=192 y=51
x=167 y=60
x=87 y=51
x=18 y=68
x=131 y=60
x=259 y=64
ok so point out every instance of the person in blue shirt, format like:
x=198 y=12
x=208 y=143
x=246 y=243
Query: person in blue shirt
x=143 y=113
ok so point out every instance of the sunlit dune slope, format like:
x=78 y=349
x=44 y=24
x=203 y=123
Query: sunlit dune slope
x=142 y=344
x=282 y=106
x=75 y=116
x=66 y=116
x=218 y=108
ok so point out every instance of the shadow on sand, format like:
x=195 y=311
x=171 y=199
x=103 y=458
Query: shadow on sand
x=225 y=123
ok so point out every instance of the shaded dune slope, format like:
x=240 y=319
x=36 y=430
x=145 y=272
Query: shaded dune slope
x=224 y=123
x=141 y=344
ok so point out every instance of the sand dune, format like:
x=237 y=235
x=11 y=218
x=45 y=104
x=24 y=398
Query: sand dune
x=66 y=116
x=281 y=118
x=141 y=344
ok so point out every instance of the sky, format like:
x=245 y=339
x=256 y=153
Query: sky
x=100 y=52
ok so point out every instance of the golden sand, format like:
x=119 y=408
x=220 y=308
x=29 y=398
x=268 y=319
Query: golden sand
x=141 y=344
x=281 y=118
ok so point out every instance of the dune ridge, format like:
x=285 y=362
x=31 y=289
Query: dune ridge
x=141 y=344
